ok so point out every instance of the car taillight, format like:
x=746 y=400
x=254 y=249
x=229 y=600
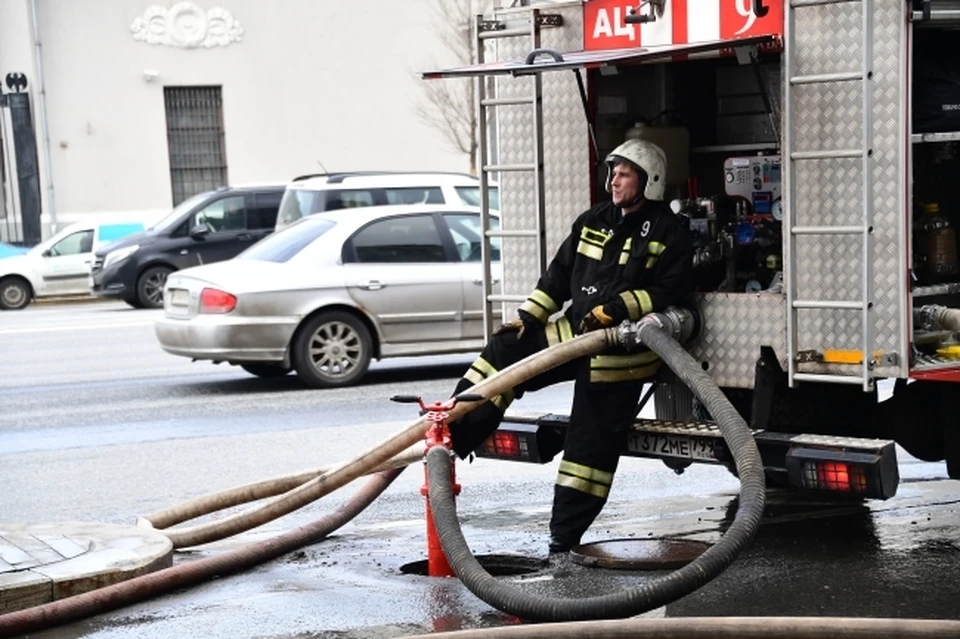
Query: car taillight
x=213 y=300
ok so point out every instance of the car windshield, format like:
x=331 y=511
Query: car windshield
x=174 y=216
x=281 y=246
x=471 y=195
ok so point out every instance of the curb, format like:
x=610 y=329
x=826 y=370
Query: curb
x=46 y=562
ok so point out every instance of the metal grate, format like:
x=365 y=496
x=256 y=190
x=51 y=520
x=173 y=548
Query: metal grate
x=198 y=159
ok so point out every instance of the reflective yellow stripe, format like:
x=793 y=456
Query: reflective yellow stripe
x=543 y=300
x=540 y=305
x=594 y=237
x=638 y=303
x=651 y=261
x=655 y=248
x=473 y=376
x=484 y=367
x=503 y=400
x=593 y=252
x=623 y=361
x=585 y=472
x=559 y=331
x=536 y=310
x=625 y=374
x=583 y=486
x=625 y=252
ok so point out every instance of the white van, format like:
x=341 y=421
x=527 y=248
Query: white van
x=309 y=194
x=59 y=265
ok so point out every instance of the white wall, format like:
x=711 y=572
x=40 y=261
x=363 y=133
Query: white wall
x=328 y=80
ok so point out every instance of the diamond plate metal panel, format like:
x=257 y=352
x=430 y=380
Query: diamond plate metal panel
x=736 y=325
x=566 y=150
x=828 y=192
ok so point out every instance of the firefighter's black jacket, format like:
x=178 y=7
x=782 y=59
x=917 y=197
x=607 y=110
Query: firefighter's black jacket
x=632 y=264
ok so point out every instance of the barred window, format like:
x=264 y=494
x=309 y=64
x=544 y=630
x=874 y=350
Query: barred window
x=198 y=159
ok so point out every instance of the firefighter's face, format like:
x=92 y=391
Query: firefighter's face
x=624 y=184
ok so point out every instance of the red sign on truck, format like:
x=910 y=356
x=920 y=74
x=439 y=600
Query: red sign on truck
x=682 y=22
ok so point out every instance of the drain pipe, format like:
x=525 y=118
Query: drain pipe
x=44 y=120
x=714 y=627
x=191 y=573
x=656 y=331
x=345 y=472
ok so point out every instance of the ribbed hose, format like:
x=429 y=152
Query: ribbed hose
x=189 y=574
x=508 y=598
x=345 y=472
x=721 y=628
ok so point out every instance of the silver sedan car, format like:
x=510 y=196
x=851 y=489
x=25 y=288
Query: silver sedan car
x=330 y=293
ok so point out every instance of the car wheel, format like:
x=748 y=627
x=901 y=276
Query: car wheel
x=133 y=301
x=332 y=349
x=265 y=370
x=15 y=293
x=150 y=286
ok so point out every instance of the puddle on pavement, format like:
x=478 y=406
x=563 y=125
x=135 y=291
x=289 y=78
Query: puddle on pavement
x=496 y=565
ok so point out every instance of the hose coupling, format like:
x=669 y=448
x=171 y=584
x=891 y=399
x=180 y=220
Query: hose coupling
x=679 y=322
x=934 y=317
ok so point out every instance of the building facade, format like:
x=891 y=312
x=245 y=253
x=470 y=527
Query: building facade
x=137 y=104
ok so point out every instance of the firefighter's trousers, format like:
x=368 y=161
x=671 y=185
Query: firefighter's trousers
x=601 y=414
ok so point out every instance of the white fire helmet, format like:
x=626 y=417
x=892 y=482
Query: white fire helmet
x=649 y=157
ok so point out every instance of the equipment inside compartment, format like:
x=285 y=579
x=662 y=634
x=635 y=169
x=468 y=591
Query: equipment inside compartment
x=717 y=121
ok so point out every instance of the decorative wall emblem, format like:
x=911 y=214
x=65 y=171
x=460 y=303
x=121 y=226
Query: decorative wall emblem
x=186 y=25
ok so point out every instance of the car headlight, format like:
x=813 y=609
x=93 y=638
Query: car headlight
x=119 y=255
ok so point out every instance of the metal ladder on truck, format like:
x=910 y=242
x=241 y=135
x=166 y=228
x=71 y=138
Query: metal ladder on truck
x=487 y=29
x=792 y=156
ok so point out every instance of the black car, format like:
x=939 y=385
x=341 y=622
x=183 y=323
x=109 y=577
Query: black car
x=209 y=227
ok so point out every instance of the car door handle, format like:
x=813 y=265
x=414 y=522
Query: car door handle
x=479 y=281
x=245 y=236
x=371 y=285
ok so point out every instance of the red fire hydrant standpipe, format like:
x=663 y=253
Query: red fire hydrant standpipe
x=438 y=434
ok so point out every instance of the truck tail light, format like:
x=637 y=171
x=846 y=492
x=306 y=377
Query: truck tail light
x=872 y=475
x=506 y=445
x=213 y=301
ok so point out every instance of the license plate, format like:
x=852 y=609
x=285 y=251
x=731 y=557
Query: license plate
x=179 y=297
x=671 y=446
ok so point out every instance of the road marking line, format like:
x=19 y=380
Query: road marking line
x=55 y=329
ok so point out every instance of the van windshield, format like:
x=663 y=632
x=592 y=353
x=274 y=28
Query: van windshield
x=298 y=203
x=178 y=212
x=471 y=195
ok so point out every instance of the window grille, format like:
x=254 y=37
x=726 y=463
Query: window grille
x=195 y=138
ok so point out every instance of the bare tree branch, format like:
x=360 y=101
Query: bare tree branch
x=449 y=105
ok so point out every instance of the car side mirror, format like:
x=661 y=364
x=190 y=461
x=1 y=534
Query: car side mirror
x=46 y=253
x=199 y=231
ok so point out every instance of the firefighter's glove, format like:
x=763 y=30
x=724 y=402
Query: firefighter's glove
x=524 y=323
x=597 y=318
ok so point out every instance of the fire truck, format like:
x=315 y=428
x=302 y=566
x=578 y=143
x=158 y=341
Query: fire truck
x=812 y=147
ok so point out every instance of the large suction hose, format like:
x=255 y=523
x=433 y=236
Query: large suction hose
x=345 y=472
x=720 y=628
x=653 y=594
x=191 y=573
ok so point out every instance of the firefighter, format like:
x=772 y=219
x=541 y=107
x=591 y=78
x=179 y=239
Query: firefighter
x=622 y=260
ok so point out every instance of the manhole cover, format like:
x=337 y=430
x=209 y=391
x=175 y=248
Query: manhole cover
x=638 y=554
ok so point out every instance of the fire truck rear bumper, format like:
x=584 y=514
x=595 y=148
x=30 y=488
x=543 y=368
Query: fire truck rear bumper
x=851 y=465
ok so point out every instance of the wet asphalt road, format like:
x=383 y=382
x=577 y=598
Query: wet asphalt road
x=98 y=424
